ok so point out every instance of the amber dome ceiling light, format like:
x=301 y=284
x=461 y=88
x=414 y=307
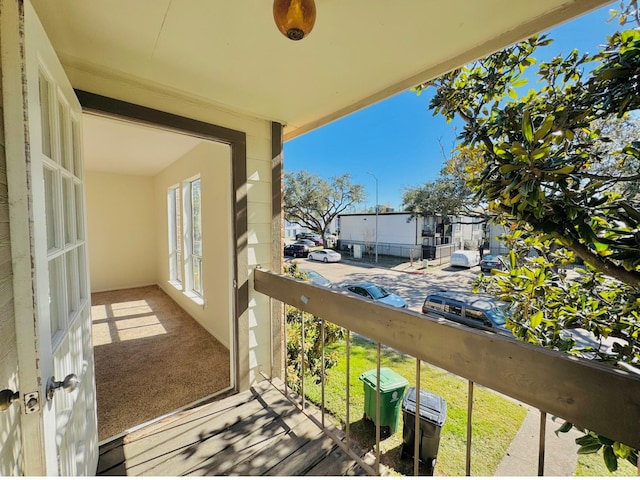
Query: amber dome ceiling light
x=294 y=18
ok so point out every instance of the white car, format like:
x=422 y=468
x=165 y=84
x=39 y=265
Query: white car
x=465 y=258
x=325 y=255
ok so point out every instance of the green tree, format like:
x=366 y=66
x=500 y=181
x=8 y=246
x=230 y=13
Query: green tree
x=309 y=357
x=312 y=202
x=449 y=194
x=551 y=173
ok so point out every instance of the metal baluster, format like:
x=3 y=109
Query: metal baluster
x=302 y=360
x=322 y=385
x=348 y=395
x=416 y=431
x=469 y=427
x=271 y=338
x=286 y=356
x=543 y=429
x=378 y=410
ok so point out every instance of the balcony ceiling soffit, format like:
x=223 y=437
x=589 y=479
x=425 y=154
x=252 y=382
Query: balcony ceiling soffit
x=230 y=53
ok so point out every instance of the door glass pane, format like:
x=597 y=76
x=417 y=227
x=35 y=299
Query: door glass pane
x=79 y=212
x=50 y=204
x=65 y=151
x=44 y=117
x=82 y=279
x=54 y=296
x=75 y=147
x=68 y=212
x=72 y=281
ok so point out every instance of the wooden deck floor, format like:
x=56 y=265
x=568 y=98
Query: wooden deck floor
x=259 y=432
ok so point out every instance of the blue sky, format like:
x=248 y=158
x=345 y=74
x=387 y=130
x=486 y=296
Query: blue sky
x=398 y=139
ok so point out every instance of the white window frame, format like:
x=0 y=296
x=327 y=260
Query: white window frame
x=182 y=274
x=174 y=199
x=194 y=285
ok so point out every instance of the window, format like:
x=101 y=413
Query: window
x=185 y=236
x=476 y=315
x=174 y=205
x=196 y=238
x=453 y=308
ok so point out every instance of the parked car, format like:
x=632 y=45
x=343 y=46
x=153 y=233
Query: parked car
x=465 y=258
x=490 y=262
x=376 y=292
x=317 y=279
x=314 y=237
x=477 y=311
x=308 y=243
x=325 y=256
x=296 y=250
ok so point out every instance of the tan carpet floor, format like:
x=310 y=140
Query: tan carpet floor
x=151 y=358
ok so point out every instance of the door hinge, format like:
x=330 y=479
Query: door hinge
x=32 y=402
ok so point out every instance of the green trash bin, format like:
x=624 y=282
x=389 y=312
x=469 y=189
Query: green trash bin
x=392 y=387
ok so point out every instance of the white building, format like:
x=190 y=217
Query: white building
x=400 y=234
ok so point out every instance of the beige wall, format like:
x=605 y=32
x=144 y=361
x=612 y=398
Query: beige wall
x=10 y=435
x=212 y=162
x=121 y=231
x=253 y=325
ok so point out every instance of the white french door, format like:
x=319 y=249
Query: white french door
x=60 y=429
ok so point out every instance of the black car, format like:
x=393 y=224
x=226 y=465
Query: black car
x=307 y=242
x=296 y=250
x=315 y=238
x=491 y=262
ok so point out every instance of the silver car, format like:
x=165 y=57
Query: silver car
x=377 y=293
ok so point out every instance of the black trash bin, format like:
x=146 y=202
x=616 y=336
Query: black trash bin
x=433 y=413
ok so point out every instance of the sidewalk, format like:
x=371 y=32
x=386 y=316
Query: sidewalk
x=521 y=458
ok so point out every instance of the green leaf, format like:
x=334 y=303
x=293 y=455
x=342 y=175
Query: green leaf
x=565 y=427
x=621 y=450
x=587 y=449
x=536 y=319
x=544 y=129
x=508 y=168
x=587 y=440
x=527 y=127
x=610 y=459
x=562 y=171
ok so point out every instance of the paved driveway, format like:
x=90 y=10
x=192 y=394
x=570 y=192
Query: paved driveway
x=413 y=287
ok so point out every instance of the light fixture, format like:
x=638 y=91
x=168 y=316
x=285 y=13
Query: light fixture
x=294 y=18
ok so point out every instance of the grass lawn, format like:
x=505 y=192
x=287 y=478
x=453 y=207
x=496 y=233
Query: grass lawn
x=593 y=466
x=496 y=419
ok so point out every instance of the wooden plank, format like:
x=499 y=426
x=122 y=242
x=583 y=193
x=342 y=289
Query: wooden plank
x=268 y=458
x=579 y=392
x=266 y=420
x=337 y=463
x=297 y=463
x=261 y=441
x=141 y=456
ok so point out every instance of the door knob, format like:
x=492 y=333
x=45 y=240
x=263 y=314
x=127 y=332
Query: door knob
x=69 y=384
x=7 y=397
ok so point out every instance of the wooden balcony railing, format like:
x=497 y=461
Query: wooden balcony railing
x=594 y=396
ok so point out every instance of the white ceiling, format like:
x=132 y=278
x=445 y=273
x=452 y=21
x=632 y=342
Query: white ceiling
x=230 y=53
x=116 y=146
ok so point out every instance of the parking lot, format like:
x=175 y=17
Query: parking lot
x=411 y=283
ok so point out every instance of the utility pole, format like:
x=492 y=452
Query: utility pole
x=376 y=178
